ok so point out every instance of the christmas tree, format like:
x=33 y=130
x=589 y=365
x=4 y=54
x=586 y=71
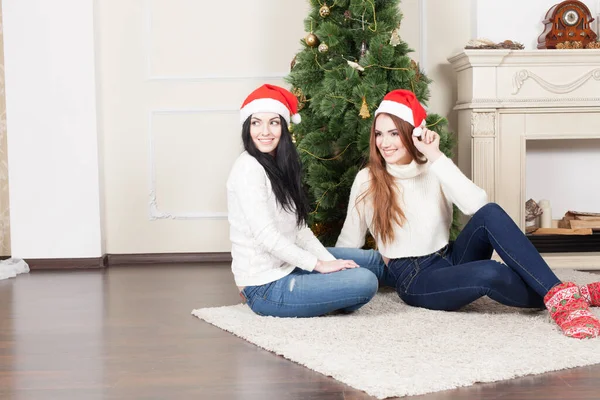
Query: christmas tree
x=351 y=57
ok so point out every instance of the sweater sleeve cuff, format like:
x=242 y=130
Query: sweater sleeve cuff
x=327 y=256
x=309 y=264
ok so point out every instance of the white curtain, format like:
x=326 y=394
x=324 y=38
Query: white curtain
x=4 y=206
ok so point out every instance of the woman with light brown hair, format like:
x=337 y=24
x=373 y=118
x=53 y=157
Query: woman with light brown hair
x=404 y=198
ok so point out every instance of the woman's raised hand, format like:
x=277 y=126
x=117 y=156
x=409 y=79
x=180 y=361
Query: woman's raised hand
x=326 y=267
x=429 y=145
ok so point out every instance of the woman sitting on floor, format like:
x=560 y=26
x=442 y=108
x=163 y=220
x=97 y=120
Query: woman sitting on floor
x=405 y=196
x=279 y=266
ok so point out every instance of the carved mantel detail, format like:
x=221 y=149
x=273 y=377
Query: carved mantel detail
x=483 y=124
x=524 y=74
x=494 y=125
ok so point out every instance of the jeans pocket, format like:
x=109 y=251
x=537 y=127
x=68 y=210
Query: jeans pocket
x=261 y=298
x=266 y=289
x=408 y=279
x=249 y=293
x=442 y=252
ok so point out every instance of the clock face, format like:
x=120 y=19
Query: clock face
x=570 y=17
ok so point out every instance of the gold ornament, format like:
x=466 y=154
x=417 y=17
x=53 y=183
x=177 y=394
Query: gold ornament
x=323 y=48
x=311 y=40
x=319 y=229
x=364 y=109
x=370 y=242
x=415 y=67
x=324 y=11
x=301 y=97
x=395 y=39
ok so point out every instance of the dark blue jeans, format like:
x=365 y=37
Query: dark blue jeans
x=462 y=272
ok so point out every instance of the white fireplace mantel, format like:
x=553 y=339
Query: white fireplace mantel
x=507 y=97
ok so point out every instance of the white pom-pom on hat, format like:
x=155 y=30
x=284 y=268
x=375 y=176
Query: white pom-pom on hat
x=418 y=131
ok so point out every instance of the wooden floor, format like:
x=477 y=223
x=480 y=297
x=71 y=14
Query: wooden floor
x=127 y=333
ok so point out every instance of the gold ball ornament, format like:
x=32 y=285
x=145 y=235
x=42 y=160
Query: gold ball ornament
x=323 y=48
x=324 y=11
x=311 y=40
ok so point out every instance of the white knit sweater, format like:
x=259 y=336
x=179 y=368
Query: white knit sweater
x=427 y=192
x=266 y=243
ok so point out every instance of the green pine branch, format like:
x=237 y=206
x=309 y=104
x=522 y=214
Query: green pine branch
x=333 y=138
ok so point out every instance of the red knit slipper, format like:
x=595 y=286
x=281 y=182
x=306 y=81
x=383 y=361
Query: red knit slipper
x=591 y=293
x=571 y=312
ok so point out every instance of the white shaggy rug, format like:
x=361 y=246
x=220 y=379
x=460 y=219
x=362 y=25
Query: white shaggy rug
x=389 y=349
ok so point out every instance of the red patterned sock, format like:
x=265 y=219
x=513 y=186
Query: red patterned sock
x=591 y=293
x=571 y=311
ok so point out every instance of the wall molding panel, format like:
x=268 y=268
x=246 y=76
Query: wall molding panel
x=154 y=211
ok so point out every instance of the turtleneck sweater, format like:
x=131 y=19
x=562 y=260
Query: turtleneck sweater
x=426 y=193
x=266 y=242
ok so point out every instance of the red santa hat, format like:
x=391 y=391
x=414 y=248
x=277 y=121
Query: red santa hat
x=404 y=105
x=271 y=98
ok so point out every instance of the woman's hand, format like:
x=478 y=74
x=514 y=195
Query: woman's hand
x=326 y=267
x=429 y=145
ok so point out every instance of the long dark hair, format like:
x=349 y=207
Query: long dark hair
x=284 y=171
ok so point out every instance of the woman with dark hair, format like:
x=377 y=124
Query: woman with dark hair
x=279 y=266
x=405 y=196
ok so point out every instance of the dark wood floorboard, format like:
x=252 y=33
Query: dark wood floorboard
x=127 y=333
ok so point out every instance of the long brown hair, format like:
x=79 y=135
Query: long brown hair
x=383 y=191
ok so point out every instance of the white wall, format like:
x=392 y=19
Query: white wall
x=51 y=128
x=167 y=92
x=447 y=28
x=173 y=75
x=518 y=20
x=557 y=170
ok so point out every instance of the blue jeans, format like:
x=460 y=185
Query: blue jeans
x=369 y=259
x=310 y=294
x=462 y=272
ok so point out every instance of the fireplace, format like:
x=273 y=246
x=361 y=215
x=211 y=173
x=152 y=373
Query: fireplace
x=508 y=97
x=566 y=243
